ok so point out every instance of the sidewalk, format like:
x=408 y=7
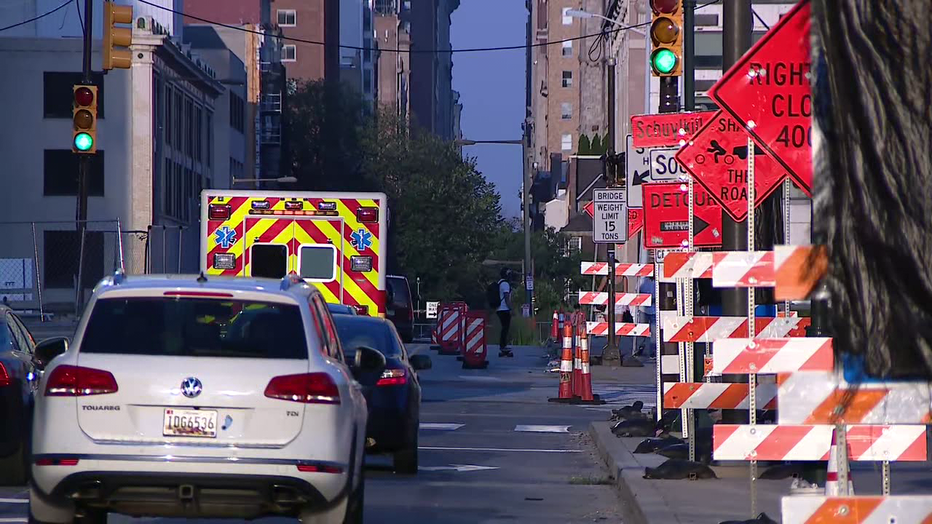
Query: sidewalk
x=726 y=498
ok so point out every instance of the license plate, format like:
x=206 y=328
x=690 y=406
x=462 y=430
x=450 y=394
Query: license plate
x=190 y=423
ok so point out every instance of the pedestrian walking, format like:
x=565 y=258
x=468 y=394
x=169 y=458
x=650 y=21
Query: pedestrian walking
x=648 y=315
x=504 y=311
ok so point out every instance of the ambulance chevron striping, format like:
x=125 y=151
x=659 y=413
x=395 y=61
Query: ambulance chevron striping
x=825 y=398
x=706 y=330
x=625 y=329
x=899 y=509
x=786 y=442
x=622 y=270
x=716 y=395
x=595 y=298
x=775 y=355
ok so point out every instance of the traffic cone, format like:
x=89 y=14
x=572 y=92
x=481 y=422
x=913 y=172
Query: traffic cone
x=585 y=378
x=577 y=360
x=566 y=366
x=831 y=478
x=554 y=329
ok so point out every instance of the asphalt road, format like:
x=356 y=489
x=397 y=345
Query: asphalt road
x=492 y=449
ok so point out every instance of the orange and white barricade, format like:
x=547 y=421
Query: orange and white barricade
x=451 y=329
x=706 y=330
x=908 y=509
x=475 y=352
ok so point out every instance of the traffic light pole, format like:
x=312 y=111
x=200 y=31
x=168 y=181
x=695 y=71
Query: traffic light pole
x=84 y=160
x=689 y=55
x=611 y=355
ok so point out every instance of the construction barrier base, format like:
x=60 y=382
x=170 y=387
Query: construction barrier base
x=484 y=365
x=596 y=401
x=459 y=358
x=435 y=347
x=560 y=400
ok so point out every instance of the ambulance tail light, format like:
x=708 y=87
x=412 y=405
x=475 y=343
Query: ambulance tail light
x=367 y=214
x=219 y=212
x=361 y=264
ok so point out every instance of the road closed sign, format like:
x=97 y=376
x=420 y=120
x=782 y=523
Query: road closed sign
x=610 y=220
x=666 y=217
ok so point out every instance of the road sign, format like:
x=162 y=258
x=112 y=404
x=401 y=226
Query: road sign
x=635 y=221
x=664 y=167
x=588 y=208
x=529 y=283
x=666 y=217
x=637 y=167
x=610 y=223
x=432 y=308
x=768 y=92
x=717 y=157
x=668 y=129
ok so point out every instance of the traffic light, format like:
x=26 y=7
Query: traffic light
x=84 y=115
x=666 y=34
x=117 y=36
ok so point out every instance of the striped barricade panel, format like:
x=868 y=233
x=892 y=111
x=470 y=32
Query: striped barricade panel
x=708 y=395
x=901 y=509
x=776 y=355
x=825 y=398
x=706 y=330
x=475 y=334
x=621 y=270
x=797 y=270
x=743 y=269
x=687 y=265
x=595 y=298
x=622 y=329
x=813 y=442
x=450 y=327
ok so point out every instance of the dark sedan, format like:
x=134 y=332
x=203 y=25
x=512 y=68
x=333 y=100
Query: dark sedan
x=394 y=395
x=19 y=377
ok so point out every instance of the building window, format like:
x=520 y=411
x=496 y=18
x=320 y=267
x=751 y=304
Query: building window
x=566 y=142
x=179 y=108
x=567 y=19
x=289 y=53
x=58 y=93
x=567 y=79
x=287 y=17
x=167 y=122
x=566 y=111
x=60 y=173
x=188 y=127
x=61 y=260
x=707 y=20
x=179 y=189
x=169 y=188
x=567 y=48
x=210 y=139
x=237 y=113
x=198 y=134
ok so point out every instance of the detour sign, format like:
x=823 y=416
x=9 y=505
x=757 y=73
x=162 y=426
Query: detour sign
x=666 y=217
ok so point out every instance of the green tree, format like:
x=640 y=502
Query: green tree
x=584 y=146
x=596 y=148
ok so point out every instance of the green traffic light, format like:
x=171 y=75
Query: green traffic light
x=83 y=142
x=663 y=61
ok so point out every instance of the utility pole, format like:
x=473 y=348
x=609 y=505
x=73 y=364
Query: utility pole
x=528 y=152
x=736 y=40
x=611 y=355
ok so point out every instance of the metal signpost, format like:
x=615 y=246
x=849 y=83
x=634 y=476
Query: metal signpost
x=610 y=226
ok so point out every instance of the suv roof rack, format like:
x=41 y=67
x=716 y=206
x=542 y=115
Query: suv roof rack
x=289 y=280
x=118 y=277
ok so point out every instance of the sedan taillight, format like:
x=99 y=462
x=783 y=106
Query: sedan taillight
x=4 y=376
x=75 y=381
x=307 y=388
x=392 y=377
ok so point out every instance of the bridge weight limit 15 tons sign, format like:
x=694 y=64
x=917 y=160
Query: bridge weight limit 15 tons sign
x=610 y=216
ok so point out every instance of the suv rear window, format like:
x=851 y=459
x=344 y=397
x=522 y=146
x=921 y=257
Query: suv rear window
x=401 y=294
x=195 y=327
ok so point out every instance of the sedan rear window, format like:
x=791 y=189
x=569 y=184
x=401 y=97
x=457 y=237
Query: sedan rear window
x=366 y=331
x=195 y=327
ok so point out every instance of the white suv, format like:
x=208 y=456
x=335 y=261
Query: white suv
x=194 y=397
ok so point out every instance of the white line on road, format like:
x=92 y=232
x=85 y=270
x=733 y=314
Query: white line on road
x=14 y=519
x=440 y=426
x=542 y=429
x=14 y=501
x=457 y=467
x=511 y=450
x=479 y=378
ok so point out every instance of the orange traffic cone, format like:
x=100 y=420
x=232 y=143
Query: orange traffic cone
x=566 y=366
x=832 y=489
x=577 y=359
x=555 y=327
x=585 y=378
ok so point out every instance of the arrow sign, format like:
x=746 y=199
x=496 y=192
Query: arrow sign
x=666 y=217
x=768 y=93
x=717 y=157
x=635 y=221
x=589 y=209
x=459 y=468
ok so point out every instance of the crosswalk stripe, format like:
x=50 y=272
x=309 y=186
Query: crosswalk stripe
x=440 y=426
x=14 y=501
x=542 y=429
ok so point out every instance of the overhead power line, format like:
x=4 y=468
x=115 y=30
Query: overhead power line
x=35 y=18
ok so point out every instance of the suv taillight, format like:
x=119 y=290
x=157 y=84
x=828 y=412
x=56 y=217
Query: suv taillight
x=367 y=214
x=4 y=376
x=307 y=388
x=392 y=377
x=74 y=381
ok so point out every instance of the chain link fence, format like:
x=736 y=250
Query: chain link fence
x=50 y=268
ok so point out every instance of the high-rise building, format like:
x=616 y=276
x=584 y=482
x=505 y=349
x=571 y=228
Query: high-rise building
x=311 y=21
x=432 y=104
x=393 y=64
x=357 y=56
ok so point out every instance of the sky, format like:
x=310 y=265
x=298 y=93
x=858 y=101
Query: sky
x=491 y=87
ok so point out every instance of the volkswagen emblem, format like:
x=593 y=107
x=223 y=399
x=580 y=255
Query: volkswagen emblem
x=191 y=387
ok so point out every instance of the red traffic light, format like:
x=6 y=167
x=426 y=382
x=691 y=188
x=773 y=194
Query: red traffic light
x=83 y=96
x=665 y=7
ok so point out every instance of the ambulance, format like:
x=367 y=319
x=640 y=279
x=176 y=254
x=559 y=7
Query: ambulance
x=336 y=242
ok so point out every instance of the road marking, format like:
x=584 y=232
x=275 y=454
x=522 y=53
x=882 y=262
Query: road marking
x=14 y=501
x=14 y=519
x=441 y=427
x=542 y=429
x=459 y=468
x=479 y=378
x=504 y=450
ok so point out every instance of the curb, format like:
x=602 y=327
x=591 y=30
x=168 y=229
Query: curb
x=635 y=493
